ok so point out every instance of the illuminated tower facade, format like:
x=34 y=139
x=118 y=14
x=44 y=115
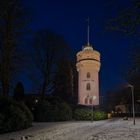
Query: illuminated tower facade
x=88 y=66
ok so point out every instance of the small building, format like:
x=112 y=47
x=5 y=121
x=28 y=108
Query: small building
x=120 y=109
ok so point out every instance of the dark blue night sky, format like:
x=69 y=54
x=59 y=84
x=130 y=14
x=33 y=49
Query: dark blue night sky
x=67 y=17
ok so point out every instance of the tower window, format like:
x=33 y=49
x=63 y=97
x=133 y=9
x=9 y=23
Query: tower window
x=88 y=75
x=86 y=100
x=88 y=86
x=90 y=101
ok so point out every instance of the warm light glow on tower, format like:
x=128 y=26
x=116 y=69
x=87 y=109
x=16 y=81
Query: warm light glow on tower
x=88 y=66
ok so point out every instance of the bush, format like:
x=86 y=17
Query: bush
x=65 y=112
x=99 y=115
x=41 y=111
x=46 y=111
x=82 y=114
x=19 y=92
x=86 y=114
x=13 y=116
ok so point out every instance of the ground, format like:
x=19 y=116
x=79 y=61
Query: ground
x=113 y=129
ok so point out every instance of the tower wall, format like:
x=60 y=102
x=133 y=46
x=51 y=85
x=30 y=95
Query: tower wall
x=88 y=66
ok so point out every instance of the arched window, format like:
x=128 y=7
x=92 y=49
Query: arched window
x=88 y=75
x=88 y=86
x=90 y=101
x=86 y=100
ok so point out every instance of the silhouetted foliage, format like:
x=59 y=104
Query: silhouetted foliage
x=133 y=73
x=52 y=109
x=64 y=81
x=12 y=23
x=19 y=92
x=127 y=20
x=49 y=48
x=121 y=96
x=13 y=115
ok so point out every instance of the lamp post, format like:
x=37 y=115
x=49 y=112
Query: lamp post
x=93 y=98
x=133 y=102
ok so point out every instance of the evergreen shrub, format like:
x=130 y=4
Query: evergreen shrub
x=56 y=111
x=13 y=115
x=86 y=114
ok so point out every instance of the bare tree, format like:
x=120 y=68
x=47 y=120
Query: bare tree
x=64 y=80
x=127 y=19
x=12 y=23
x=49 y=49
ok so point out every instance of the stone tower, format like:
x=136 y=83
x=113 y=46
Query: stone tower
x=88 y=66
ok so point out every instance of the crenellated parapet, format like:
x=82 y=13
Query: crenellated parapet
x=88 y=57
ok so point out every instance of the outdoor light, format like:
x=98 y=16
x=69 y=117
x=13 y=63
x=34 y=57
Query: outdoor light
x=93 y=98
x=133 y=102
x=36 y=101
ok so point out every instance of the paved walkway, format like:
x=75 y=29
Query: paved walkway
x=114 y=129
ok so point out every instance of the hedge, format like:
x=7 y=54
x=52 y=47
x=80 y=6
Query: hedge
x=46 y=111
x=13 y=115
x=87 y=114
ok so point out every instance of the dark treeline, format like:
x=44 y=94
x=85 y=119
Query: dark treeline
x=13 y=21
x=127 y=22
x=48 y=61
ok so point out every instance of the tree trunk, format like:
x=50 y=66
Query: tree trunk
x=43 y=90
x=5 y=85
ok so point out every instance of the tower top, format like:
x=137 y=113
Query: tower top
x=88 y=46
x=88 y=32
